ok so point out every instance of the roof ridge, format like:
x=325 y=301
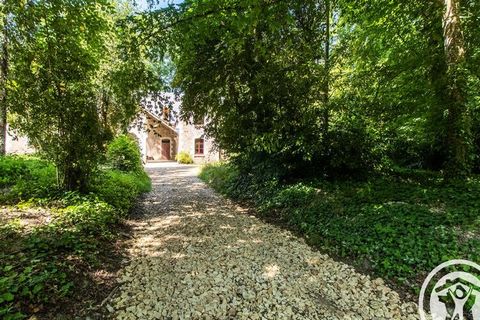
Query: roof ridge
x=159 y=119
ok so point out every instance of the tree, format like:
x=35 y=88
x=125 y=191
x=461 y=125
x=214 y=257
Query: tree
x=127 y=72
x=400 y=51
x=3 y=91
x=74 y=82
x=57 y=56
x=260 y=71
x=76 y=78
x=302 y=87
x=4 y=68
x=458 y=131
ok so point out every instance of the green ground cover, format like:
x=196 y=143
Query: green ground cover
x=65 y=231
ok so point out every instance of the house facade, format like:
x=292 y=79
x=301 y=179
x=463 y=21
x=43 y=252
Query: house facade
x=194 y=141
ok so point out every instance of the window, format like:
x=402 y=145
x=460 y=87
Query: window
x=199 y=146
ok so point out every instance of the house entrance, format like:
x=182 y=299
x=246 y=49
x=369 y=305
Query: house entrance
x=166 y=150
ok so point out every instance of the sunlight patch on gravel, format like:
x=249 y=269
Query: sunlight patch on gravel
x=197 y=256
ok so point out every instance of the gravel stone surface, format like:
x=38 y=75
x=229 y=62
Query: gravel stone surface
x=196 y=255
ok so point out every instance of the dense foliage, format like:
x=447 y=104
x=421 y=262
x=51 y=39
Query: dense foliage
x=123 y=154
x=74 y=77
x=300 y=94
x=39 y=264
x=23 y=178
x=399 y=227
x=303 y=94
x=330 y=87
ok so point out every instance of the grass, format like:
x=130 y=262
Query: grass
x=40 y=264
x=398 y=226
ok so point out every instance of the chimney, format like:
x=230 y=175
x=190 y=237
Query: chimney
x=166 y=114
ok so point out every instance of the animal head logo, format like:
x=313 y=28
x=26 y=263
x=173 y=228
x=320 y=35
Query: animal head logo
x=455 y=295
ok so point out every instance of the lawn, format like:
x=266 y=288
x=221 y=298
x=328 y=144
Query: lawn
x=398 y=226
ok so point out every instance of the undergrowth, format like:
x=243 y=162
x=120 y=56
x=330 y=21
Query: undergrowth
x=36 y=265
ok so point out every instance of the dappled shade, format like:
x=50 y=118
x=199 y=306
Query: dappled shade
x=196 y=254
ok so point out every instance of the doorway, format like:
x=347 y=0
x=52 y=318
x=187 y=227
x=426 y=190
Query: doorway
x=166 y=149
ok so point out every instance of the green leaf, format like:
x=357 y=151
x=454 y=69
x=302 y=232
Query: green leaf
x=37 y=288
x=8 y=296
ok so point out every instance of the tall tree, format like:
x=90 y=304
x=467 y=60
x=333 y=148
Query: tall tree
x=259 y=69
x=4 y=66
x=458 y=130
x=78 y=77
x=404 y=77
x=326 y=87
x=57 y=56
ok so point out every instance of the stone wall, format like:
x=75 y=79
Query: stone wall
x=188 y=133
x=156 y=133
x=150 y=132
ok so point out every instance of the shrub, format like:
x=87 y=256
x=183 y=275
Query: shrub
x=120 y=188
x=123 y=154
x=24 y=178
x=218 y=176
x=184 y=157
x=351 y=149
x=11 y=169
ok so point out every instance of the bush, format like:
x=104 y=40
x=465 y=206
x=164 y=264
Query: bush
x=351 y=149
x=184 y=157
x=120 y=188
x=124 y=154
x=11 y=169
x=220 y=176
x=24 y=178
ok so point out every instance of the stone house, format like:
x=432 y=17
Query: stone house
x=161 y=140
x=157 y=138
x=193 y=141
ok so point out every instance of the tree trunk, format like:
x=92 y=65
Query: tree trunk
x=326 y=88
x=3 y=90
x=458 y=128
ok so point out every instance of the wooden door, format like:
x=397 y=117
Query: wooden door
x=166 y=150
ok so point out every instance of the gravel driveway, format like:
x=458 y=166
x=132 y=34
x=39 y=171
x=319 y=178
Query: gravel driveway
x=195 y=255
